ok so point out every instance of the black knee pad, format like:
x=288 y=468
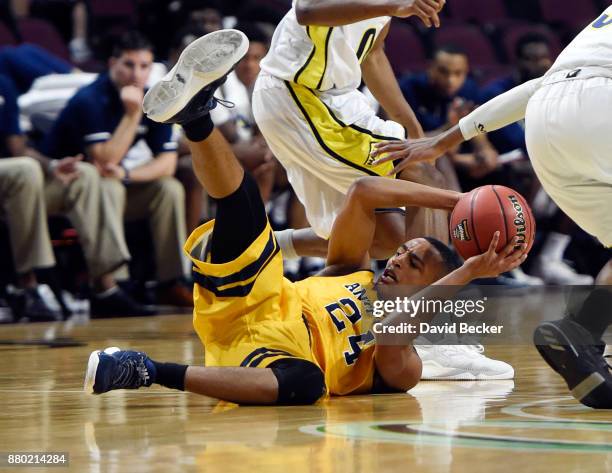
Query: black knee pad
x=299 y=381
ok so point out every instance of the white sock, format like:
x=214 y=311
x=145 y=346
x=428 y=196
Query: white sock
x=555 y=246
x=285 y=242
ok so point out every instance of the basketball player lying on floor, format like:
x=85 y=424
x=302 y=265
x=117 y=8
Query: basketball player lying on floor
x=267 y=340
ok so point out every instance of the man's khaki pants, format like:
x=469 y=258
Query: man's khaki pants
x=96 y=207
x=162 y=203
x=26 y=198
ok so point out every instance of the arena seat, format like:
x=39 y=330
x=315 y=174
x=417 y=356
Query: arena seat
x=6 y=37
x=113 y=8
x=482 y=11
x=404 y=49
x=43 y=34
x=512 y=36
x=568 y=12
x=475 y=43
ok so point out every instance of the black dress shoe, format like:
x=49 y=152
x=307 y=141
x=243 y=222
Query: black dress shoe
x=28 y=304
x=117 y=304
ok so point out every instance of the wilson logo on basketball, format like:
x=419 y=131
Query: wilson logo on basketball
x=460 y=232
x=519 y=219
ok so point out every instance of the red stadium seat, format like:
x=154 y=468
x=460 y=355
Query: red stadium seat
x=475 y=43
x=44 y=34
x=113 y=8
x=404 y=49
x=575 y=14
x=6 y=37
x=512 y=36
x=483 y=11
x=112 y=17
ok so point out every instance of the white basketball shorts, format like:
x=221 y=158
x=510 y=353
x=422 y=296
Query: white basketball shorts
x=322 y=140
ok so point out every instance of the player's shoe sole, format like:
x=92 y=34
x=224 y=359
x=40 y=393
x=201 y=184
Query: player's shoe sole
x=204 y=62
x=571 y=351
x=92 y=368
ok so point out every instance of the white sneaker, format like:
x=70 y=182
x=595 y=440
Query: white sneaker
x=460 y=362
x=519 y=275
x=185 y=93
x=559 y=273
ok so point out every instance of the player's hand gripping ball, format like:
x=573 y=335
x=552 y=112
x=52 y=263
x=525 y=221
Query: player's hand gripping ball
x=485 y=210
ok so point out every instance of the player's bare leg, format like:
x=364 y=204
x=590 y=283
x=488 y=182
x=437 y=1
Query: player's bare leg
x=216 y=166
x=422 y=221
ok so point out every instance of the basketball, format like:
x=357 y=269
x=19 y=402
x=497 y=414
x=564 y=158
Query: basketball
x=485 y=210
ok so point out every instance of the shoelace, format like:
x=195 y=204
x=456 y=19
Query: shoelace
x=225 y=103
x=133 y=373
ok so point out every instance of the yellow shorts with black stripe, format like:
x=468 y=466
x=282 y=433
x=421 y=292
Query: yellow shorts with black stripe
x=245 y=312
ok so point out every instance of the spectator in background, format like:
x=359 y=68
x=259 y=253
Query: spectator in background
x=534 y=58
x=22 y=206
x=25 y=63
x=30 y=190
x=440 y=97
x=206 y=14
x=135 y=156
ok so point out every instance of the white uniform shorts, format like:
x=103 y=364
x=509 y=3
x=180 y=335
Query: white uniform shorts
x=569 y=139
x=323 y=141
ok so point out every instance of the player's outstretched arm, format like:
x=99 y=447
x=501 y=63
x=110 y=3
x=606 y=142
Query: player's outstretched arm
x=344 y=12
x=497 y=113
x=353 y=231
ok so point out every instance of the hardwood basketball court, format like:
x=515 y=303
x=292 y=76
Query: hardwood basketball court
x=529 y=425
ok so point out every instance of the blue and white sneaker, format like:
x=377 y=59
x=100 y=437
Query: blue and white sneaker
x=186 y=92
x=573 y=352
x=113 y=368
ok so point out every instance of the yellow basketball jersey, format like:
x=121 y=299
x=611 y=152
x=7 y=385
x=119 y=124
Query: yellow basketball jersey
x=337 y=312
x=247 y=314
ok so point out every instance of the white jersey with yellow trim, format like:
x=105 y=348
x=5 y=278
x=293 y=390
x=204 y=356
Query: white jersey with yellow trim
x=592 y=46
x=321 y=58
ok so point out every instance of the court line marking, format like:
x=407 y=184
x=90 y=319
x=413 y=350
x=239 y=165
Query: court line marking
x=517 y=411
x=422 y=434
